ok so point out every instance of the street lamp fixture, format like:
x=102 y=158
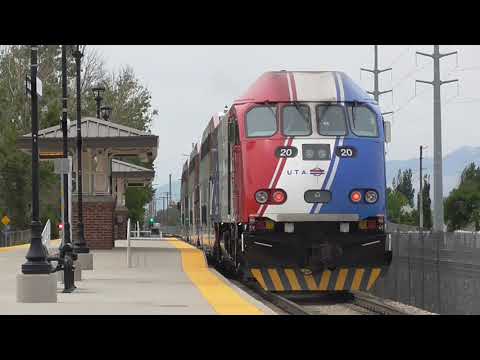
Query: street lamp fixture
x=97 y=93
x=106 y=112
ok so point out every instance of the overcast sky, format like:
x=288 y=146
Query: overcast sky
x=190 y=83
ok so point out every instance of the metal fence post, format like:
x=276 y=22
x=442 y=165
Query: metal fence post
x=128 y=244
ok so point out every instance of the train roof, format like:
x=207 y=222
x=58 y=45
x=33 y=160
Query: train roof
x=287 y=86
x=212 y=124
x=194 y=152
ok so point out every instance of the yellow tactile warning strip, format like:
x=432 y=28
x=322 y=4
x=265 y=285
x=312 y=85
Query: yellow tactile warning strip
x=290 y=279
x=55 y=243
x=223 y=299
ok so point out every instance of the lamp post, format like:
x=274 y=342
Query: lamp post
x=36 y=255
x=97 y=92
x=79 y=245
x=66 y=248
x=106 y=112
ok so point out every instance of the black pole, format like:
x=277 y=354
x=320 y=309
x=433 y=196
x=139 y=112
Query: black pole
x=79 y=245
x=36 y=255
x=98 y=99
x=66 y=248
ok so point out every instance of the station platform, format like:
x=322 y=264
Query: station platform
x=166 y=276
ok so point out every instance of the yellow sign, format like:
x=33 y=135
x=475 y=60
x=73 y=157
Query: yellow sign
x=5 y=220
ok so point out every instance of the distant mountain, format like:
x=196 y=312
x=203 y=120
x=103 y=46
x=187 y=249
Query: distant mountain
x=453 y=165
x=164 y=189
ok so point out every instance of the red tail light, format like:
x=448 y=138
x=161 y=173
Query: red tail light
x=356 y=196
x=278 y=196
x=60 y=226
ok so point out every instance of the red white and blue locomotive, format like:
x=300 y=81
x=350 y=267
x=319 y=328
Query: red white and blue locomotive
x=288 y=185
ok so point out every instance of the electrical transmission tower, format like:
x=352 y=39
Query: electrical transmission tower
x=438 y=222
x=376 y=72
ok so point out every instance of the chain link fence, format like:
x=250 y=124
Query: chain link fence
x=439 y=272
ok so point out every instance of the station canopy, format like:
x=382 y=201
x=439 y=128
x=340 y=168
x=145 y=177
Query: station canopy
x=121 y=140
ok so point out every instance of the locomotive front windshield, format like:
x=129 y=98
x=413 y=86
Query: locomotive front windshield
x=363 y=121
x=262 y=121
x=331 y=120
x=296 y=120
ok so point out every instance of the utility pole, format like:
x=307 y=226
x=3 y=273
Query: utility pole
x=438 y=221
x=376 y=72
x=420 y=200
x=169 y=189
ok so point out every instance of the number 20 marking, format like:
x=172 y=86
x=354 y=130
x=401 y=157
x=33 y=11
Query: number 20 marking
x=286 y=152
x=346 y=152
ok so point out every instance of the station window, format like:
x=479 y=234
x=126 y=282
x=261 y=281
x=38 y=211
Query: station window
x=262 y=121
x=296 y=120
x=363 y=121
x=331 y=120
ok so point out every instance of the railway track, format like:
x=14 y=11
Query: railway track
x=343 y=303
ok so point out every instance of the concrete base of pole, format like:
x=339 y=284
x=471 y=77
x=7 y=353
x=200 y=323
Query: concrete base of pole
x=85 y=261
x=77 y=274
x=36 y=288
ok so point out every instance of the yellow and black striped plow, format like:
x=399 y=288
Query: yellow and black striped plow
x=290 y=279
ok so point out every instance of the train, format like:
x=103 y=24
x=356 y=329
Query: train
x=287 y=186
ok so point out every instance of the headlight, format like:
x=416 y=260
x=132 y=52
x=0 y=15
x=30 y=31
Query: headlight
x=261 y=196
x=323 y=154
x=309 y=154
x=371 y=196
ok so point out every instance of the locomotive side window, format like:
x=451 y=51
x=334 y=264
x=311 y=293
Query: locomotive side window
x=296 y=120
x=262 y=121
x=331 y=120
x=363 y=121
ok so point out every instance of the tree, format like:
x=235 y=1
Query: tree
x=427 y=203
x=462 y=206
x=405 y=186
x=130 y=100
x=395 y=202
x=135 y=200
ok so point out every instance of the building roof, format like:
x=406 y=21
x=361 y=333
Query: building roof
x=127 y=170
x=96 y=133
x=287 y=86
x=91 y=127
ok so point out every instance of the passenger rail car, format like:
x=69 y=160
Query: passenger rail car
x=288 y=186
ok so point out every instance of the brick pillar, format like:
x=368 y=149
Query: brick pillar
x=97 y=221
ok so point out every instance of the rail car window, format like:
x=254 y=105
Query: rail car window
x=296 y=120
x=331 y=120
x=262 y=121
x=363 y=121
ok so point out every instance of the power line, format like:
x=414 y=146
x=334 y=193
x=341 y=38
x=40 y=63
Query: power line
x=399 y=56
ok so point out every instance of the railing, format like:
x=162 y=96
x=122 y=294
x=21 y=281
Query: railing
x=13 y=238
x=47 y=234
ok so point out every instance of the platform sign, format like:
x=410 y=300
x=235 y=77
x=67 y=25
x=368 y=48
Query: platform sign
x=5 y=220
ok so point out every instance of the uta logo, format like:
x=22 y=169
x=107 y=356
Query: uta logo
x=317 y=171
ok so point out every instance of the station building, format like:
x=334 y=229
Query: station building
x=105 y=173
